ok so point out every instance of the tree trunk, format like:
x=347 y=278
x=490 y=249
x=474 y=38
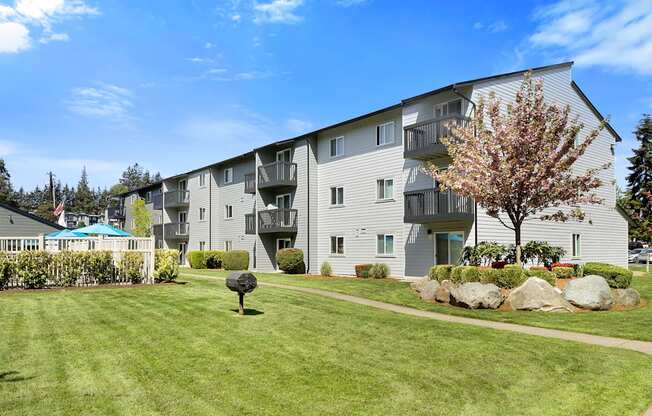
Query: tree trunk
x=517 y=236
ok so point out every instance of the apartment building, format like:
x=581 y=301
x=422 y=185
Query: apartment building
x=354 y=192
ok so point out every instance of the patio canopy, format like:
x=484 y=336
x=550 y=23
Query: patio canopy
x=65 y=233
x=103 y=229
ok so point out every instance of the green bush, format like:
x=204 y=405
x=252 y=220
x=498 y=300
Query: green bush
x=484 y=253
x=379 y=271
x=69 y=267
x=131 y=266
x=490 y=275
x=564 y=272
x=99 y=266
x=362 y=270
x=544 y=274
x=214 y=259
x=33 y=268
x=290 y=260
x=617 y=277
x=236 y=260
x=197 y=259
x=511 y=276
x=6 y=269
x=469 y=274
x=326 y=269
x=166 y=265
x=443 y=272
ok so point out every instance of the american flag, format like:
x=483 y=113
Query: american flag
x=59 y=209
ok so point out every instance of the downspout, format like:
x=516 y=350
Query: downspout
x=210 y=208
x=308 y=145
x=475 y=208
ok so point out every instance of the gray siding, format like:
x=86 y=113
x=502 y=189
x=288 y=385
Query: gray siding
x=13 y=224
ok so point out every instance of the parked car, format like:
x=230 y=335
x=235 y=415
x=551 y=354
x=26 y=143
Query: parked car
x=643 y=255
x=633 y=255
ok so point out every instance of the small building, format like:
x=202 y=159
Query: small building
x=74 y=220
x=14 y=222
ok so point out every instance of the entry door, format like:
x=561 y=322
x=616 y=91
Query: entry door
x=283 y=204
x=183 y=219
x=448 y=247
x=182 y=253
x=283 y=169
x=183 y=185
x=284 y=155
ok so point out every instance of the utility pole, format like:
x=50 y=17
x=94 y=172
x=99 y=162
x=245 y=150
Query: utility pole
x=54 y=200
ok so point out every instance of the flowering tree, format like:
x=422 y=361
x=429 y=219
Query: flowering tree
x=517 y=163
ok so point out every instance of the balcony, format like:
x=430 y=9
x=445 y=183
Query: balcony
x=250 y=223
x=250 y=183
x=277 y=221
x=116 y=213
x=171 y=231
x=176 y=198
x=277 y=174
x=157 y=201
x=423 y=140
x=430 y=205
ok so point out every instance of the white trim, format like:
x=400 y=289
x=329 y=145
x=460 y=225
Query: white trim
x=202 y=178
x=391 y=198
x=284 y=239
x=393 y=253
x=393 y=130
x=288 y=150
x=330 y=196
x=283 y=196
x=446 y=103
x=330 y=246
x=228 y=245
x=179 y=217
x=576 y=254
x=224 y=174
x=329 y=147
x=185 y=185
x=226 y=211
x=434 y=244
x=202 y=218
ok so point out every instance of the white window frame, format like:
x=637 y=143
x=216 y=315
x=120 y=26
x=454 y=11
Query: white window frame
x=202 y=245
x=289 y=240
x=385 y=253
x=337 y=238
x=389 y=126
x=280 y=153
x=384 y=198
x=228 y=245
x=445 y=105
x=283 y=196
x=337 y=203
x=339 y=139
x=228 y=211
x=202 y=214
x=576 y=245
x=228 y=175
x=202 y=179
x=148 y=197
x=449 y=260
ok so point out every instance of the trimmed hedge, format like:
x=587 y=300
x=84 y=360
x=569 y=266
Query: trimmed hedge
x=379 y=271
x=362 y=270
x=99 y=266
x=544 y=274
x=326 y=269
x=290 y=260
x=617 y=277
x=166 y=265
x=6 y=269
x=214 y=259
x=236 y=260
x=70 y=265
x=131 y=266
x=32 y=268
x=564 y=272
x=197 y=259
x=440 y=272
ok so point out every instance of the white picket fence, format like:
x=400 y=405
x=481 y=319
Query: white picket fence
x=116 y=245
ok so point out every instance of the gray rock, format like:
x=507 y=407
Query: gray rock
x=626 y=297
x=590 y=292
x=419 y=284
x=538 y=295
x=443 y=293
x=429 y=289
x=476 y=295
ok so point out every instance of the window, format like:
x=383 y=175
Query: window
x=385 y=245
x=337 y=196
x=448 y=109
x=202 y=214
x=337 y=245
x=337 y=146
x=282 y=243
x=385 y=189
x=148 y=197
x=133 y=198
x=228 y=175
x=385 y=134
x=202 y=245
x=577 y=248
x=228 y=245
x=448 y=247
x=202 y=179
x=228 y=211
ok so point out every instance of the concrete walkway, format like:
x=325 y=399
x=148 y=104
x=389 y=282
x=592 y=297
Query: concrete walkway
x=640 y=346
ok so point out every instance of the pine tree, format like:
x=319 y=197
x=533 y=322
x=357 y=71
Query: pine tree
x=132 y=177
x=639 y=181
x=84 y=201
x=6 y=190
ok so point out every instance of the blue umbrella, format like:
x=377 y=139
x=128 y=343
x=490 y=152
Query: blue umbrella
x=65 y=233
x=103 y=229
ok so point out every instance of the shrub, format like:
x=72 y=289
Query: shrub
x=362 y=270
x=166 y=265
x=32 y=268
x=617 y=277
x=131 y=266
x=326 y=269
x=484 y=253
x=290 y=260
x=490 y=275
x=432 y=273
x=214 y=259
x=541 y=252
x=379 y=271
x=6 y=269
x=69 y=267
x=543 y=273
x=563 y=272
x=99 y=266
x=456 y=274
x=469 y=274
x=197 y=259
x=236 y=260
x=443 y=272
x=557 y=264
x=511 y=276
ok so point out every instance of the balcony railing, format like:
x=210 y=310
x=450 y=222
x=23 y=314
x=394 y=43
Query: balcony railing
x=250 y=223
x=277 y=174
x=116 y=213
x=250 y=183
x=176 y=198
x=277 y=221
x=423 y=140
x=431 y=205
x=171 y=231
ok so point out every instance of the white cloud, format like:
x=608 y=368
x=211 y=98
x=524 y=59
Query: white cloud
x=296 y=126
x=236 y=17
x=198 y=60
x=350 y=3
x=277 y=11
x=209 y=45
x=55 y=37
x=14 y=37
x=617 y=35
x=103 y=101
x=494 y=27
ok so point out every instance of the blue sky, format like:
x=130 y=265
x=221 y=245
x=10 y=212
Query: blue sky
x=174 y=85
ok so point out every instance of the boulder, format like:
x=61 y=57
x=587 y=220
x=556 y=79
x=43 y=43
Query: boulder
x=476 y=295
x=536 y=294
x=443 y=293
x=419 y=284
x=589 y=292
x=428 y=290
x=626 y=297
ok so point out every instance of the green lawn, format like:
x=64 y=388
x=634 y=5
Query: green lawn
x=180 y=350
x=631 y=324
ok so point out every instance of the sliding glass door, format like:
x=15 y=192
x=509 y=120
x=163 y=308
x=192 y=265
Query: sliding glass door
x=448 y=247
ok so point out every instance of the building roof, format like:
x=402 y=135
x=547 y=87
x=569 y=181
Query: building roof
x=30 y=215
x=396 y=106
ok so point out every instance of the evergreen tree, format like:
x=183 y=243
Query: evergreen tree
x=84 y=201
x=132 y=177
x=639 y=181
x=6 y=190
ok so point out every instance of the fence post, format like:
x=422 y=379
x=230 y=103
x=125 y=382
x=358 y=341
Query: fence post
x=41 y=242
x=152 y=258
